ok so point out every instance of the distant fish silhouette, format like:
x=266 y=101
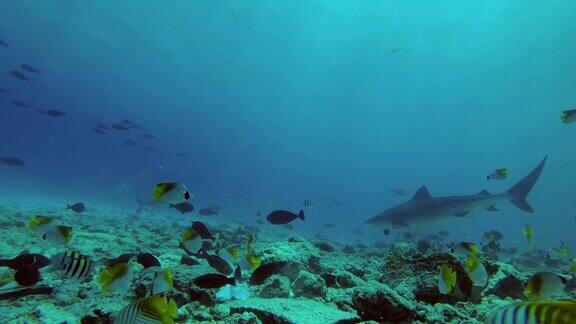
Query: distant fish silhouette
x=120 y=127
x=183 y=207
x=397 y=192
x=102 y=126
x=12 y=161
x=21 y=104
x=77 y=207
x=52 y=113
x=281 y=217
x=3 y=43
x=129 y=142
x=394 y=50
x=207 y=212
x=4 y=91
x=29 y=68
x=19 y=75
x=99 y=131
x=329 y=225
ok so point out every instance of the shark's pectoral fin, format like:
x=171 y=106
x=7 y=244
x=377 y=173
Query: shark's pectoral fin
x=492 y=208
x=461 y=213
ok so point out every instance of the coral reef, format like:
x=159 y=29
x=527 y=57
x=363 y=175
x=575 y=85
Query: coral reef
x=245 y=318
x=350 y=283
x=378 y=302
x=297 y=252
x=309 y=285
x=281 y=310
x=274 y=287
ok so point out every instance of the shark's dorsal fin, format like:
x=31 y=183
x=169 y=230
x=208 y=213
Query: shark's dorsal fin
x=484 y=193
x=421 y=194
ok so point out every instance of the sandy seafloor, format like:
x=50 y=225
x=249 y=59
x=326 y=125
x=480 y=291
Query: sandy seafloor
x=378 y=282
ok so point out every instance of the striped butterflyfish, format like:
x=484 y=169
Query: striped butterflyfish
x=161 y=283
x=116 y=278
x=540 y=312
x=171 y=192
x=152 y=309
x=447 y=279
x=250 y=260
x=230 y=253
x=464 y=249
x=73 y=265
x=498 y=174
x=41 y=223
x=544 y=284
x=476 y=270
x=59 y=234
x=191 y=241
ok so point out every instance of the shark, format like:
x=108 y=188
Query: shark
x=423 y=208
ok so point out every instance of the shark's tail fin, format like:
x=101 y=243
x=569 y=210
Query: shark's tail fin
x=517 y=194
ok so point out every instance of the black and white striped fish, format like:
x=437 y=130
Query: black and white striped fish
x=544 y=312
x=308 y=203
x=152 y=309
x=73 y=265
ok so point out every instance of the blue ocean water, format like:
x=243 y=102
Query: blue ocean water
x=276 y=102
